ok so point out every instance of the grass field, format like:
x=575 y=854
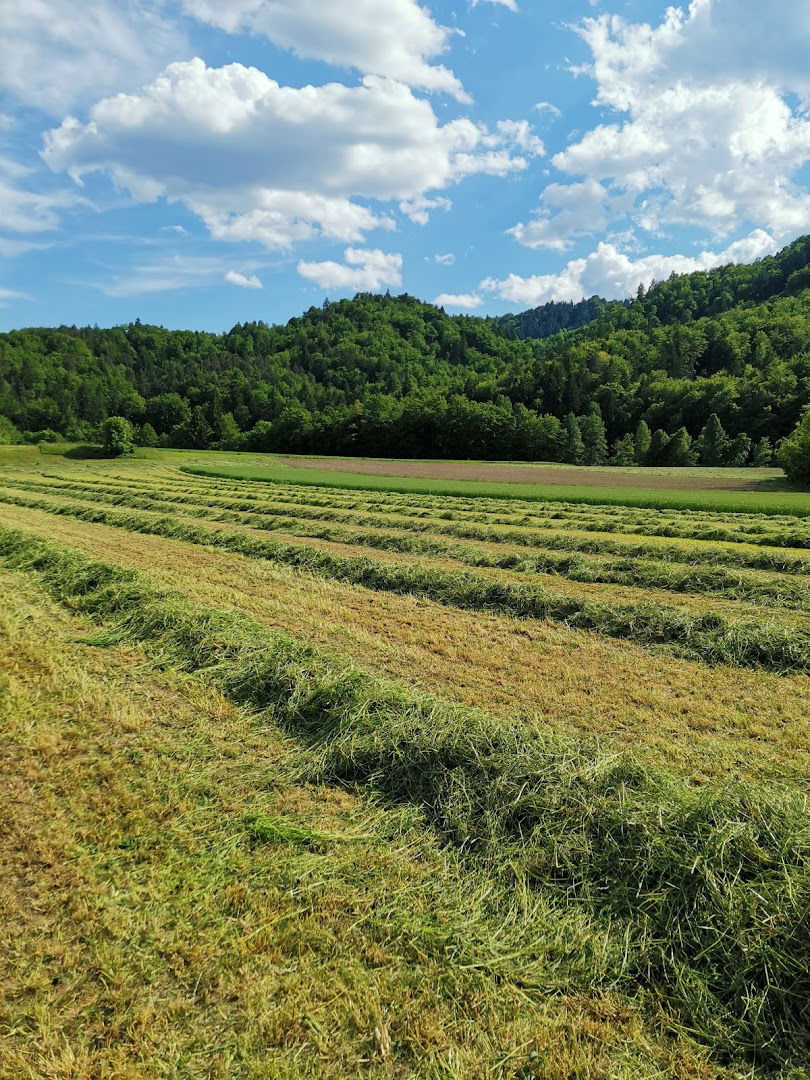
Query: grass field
x=309 y=779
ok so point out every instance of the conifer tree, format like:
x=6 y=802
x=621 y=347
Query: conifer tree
x=762 y=454
x=594 y=436
x=659 y=445
x=624 y=451
x=739 y=449
x=573 y=446
x=679 y=450
x=642 y=442
x=713 y=445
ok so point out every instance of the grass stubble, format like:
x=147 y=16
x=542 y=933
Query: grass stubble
x=708 y=635
x=698 y=575
x=707 y=722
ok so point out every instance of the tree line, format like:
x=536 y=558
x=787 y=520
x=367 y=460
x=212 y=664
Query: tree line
x=710 y=369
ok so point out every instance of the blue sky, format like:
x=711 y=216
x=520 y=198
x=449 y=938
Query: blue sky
x=196 y=164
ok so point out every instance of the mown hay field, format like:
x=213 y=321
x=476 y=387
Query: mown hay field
x=306 y=780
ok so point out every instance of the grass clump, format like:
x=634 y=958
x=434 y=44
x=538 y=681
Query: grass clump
x=458 y=524
x=706 y=890
x=144 y=934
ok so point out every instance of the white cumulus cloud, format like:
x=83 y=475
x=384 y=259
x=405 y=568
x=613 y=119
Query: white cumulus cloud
x=244 y=281
x=398 y=39
x=468 y=301
x=612 y=274
x=363 y=271
x=278 y=164
x=418 y=209
x=57 y=54
x=566 y=211
x=706 y=132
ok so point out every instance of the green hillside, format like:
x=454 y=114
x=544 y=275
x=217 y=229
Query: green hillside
x=708 y=368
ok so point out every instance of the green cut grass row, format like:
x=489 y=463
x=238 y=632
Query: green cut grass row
x=648 y=573
x=710 y=637
x=725 y=502
x=496 y=511
x=706 y=891
x=517 y=511
x=545 y=538
x=785 y=537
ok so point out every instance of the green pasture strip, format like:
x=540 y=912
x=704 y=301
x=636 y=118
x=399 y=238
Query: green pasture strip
x=730 y=584
x=710 y=637
x=796 y=504
x=706 y=891
x=542 y=540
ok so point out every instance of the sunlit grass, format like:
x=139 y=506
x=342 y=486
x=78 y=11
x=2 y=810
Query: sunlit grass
x=777 y=502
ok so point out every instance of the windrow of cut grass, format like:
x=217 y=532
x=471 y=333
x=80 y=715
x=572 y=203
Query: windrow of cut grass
x=796 y=504
x=457 y=509
x=709 y=724
x=640 y=572
x=786 y=536
x=708 y=636
x=690 y=551
x=708 y=891
x=705 y=524
x=176 y=903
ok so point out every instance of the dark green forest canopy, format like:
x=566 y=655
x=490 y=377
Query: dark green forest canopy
x=716 y=365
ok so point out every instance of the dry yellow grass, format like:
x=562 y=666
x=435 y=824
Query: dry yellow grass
x=706 y=721
x=143 y=935
x=619 y=594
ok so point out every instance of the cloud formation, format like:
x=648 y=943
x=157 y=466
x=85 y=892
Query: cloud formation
x=363 y=271
x=167 y=273
x=610 y=273
x=566 y=211
x=24 y=211
x=709 y=138
x=58 y=55
x=467 y=301
x=244 y=281
x=398 y=41
x=277 y=164
x=7 y=295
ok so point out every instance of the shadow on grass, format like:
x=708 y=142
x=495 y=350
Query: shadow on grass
x=778 y=484
x=83 y=453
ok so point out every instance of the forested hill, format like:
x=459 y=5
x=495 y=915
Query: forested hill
x=553 y=317
x=711 y=368
x=679 y=299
